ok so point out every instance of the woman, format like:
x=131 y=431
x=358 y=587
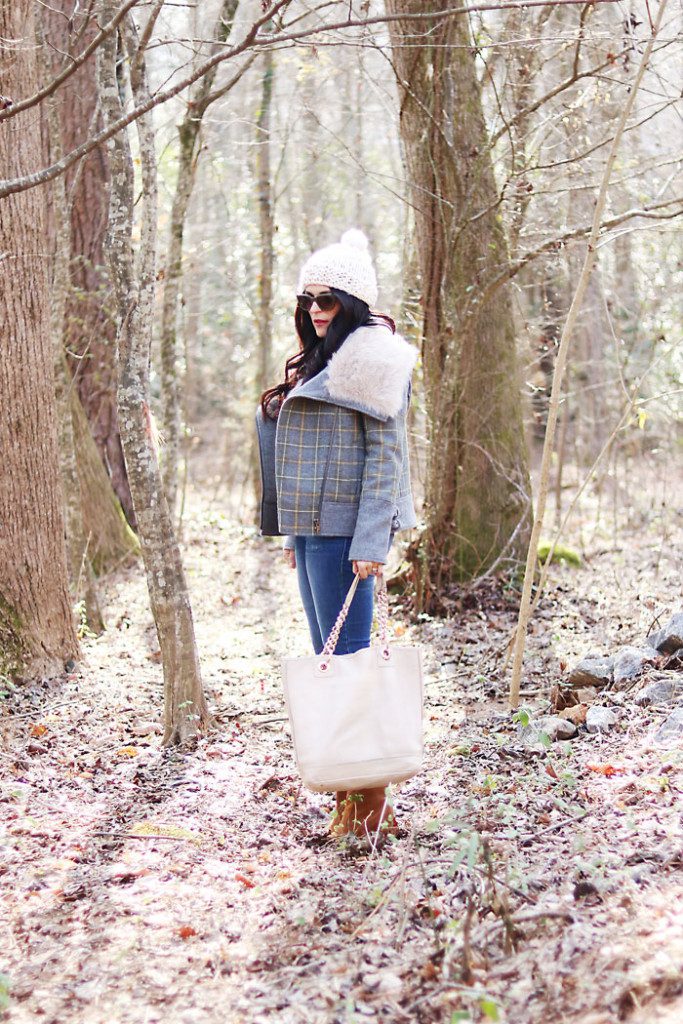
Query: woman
x=334 y=460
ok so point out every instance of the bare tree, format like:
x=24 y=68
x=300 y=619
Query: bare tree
x=266 y=223
x=184 y=705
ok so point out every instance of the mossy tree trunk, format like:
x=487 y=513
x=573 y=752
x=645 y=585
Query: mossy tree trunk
x=37 y=635
x=109 y=539
x=478 y=496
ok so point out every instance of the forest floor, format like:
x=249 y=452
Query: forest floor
x=529 y=884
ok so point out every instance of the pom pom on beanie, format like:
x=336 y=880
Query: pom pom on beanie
x=346 y=265
x=356 y=239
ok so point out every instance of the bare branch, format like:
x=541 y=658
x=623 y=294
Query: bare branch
x=651 y=212
x=251 y=39
x=221 y=91
x=76 y=62
x=424 y=16
x=51 y=172
x=146 y=33
x=575 y=77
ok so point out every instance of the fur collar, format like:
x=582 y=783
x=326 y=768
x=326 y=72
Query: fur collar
x=372 y=369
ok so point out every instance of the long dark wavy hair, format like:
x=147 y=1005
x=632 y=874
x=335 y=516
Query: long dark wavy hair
x=314 y=352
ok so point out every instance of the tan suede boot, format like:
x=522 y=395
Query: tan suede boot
x=367 y=815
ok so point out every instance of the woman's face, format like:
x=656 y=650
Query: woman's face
x=321 y=321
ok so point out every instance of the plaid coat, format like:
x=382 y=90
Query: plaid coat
x=335 y=462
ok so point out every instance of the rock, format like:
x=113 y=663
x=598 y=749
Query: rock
x=365 y=1009
x=629 y=662
x=390 y=982
x=88 y=990
x=669 y=639
x=586 y=694
x=672 y=728
x=552 y=726
x=370 y=980
x=600 y=719
x=662 y=690
x=593 y=670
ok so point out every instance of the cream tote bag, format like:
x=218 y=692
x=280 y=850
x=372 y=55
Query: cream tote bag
x=356 y=719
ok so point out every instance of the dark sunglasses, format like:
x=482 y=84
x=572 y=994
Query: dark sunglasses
x=325 y=302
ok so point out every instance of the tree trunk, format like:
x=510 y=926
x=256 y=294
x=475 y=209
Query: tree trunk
x=593 y=361
x=37 y=633
x=637 y=343
x=83 y=586
x=189 y=134
x=90 y=328
x=264 y=191
x=266 y=225
x=477 y=502
x=185 y=710
x=98 y=536
x=109 y=539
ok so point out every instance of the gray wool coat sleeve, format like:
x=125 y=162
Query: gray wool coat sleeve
x=381 y=480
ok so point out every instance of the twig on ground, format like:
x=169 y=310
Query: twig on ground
x=553 y=828
x=151 y=835
x=501 y=881
x=43 y=711
x=467 y=972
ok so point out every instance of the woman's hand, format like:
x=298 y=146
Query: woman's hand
x=289 y=557
x=365 y=569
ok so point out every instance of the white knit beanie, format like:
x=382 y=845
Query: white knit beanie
x=345 y=265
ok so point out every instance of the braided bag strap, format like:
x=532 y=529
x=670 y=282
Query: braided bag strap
x=383 y=614
x=382 y=619
x=331 y=642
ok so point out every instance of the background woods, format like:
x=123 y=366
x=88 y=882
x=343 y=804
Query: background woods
x=467 y=146
x=166 y=168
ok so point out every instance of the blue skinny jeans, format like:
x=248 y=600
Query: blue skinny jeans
x=325 y=574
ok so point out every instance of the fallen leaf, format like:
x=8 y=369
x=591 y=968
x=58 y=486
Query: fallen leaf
x=606 y=769
x=151 y=828
x=186 y=931
x=127 y=752
x=575 y=714
x=123 y=873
